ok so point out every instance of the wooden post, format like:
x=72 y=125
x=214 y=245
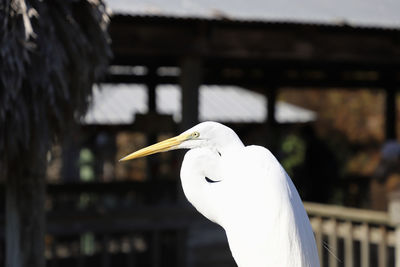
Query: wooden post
x=382 y=247
x=319 y=238
x=105 y=253
x=151 y=88
x=181 y=248
x=272 y=135
x=155 y=249
x=394 y=213
x=271 y=99
x=132 y=253
x=190 y=81
x=390 y=113
x=365 y=246
x=25 y=215
x=348 y=245
x=333 y=244
x=152 y=162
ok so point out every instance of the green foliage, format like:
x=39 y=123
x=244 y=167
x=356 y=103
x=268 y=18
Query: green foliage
x=86 y=168
x=88 y=244
x=294 y=149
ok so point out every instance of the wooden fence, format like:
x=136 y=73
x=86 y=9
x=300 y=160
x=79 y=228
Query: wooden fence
x=355 y=237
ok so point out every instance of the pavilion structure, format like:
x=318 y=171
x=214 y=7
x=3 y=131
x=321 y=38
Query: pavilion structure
x=233 y=45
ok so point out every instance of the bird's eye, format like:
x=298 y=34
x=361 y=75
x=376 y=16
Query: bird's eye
x=195 y=134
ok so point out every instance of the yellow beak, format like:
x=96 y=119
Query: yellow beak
x=162 y=146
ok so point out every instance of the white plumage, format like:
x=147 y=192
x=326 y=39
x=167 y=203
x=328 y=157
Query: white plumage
x=246 y=191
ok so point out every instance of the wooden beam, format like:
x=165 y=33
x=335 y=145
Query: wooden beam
x=169 y=37
x=285 y=76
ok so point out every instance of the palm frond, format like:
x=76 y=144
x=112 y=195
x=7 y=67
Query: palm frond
x=51 y=52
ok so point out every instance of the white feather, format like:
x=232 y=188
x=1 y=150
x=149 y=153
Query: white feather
x=255 y=201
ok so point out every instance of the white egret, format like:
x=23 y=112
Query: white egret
x=246 y=191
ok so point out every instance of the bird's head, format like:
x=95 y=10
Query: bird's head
x=206 y=134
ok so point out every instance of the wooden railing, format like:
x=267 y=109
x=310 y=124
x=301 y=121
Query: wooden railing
x=352 y=237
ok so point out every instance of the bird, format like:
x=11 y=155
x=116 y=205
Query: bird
x=245 y=190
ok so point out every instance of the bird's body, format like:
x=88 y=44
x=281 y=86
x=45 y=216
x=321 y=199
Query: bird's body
x=246 y=191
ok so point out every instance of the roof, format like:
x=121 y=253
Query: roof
x=357 y=13
x=118 y=104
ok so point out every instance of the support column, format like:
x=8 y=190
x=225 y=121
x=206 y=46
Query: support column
x=190 y=81
x=151 y=88
x=271 y=96
x=390 y=114
x=152 y=162
x=271 y=123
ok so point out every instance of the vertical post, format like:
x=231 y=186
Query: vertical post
x=318 y=238
x=394 y=213
x=365 y=246
x=382 y=247
x=155 y=249
x=333 y=262
x=348 y=245
x=390 y=113
x=70 y=152
x=271 y=134
x=181 y=248
x=132 y=253
x=54 y=256
x=106 y=259
x=151 y=83
x=271 y=99
x=190 y=81
x=397 y=251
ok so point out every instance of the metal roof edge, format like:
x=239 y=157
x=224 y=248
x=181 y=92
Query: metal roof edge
x=343 y=24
